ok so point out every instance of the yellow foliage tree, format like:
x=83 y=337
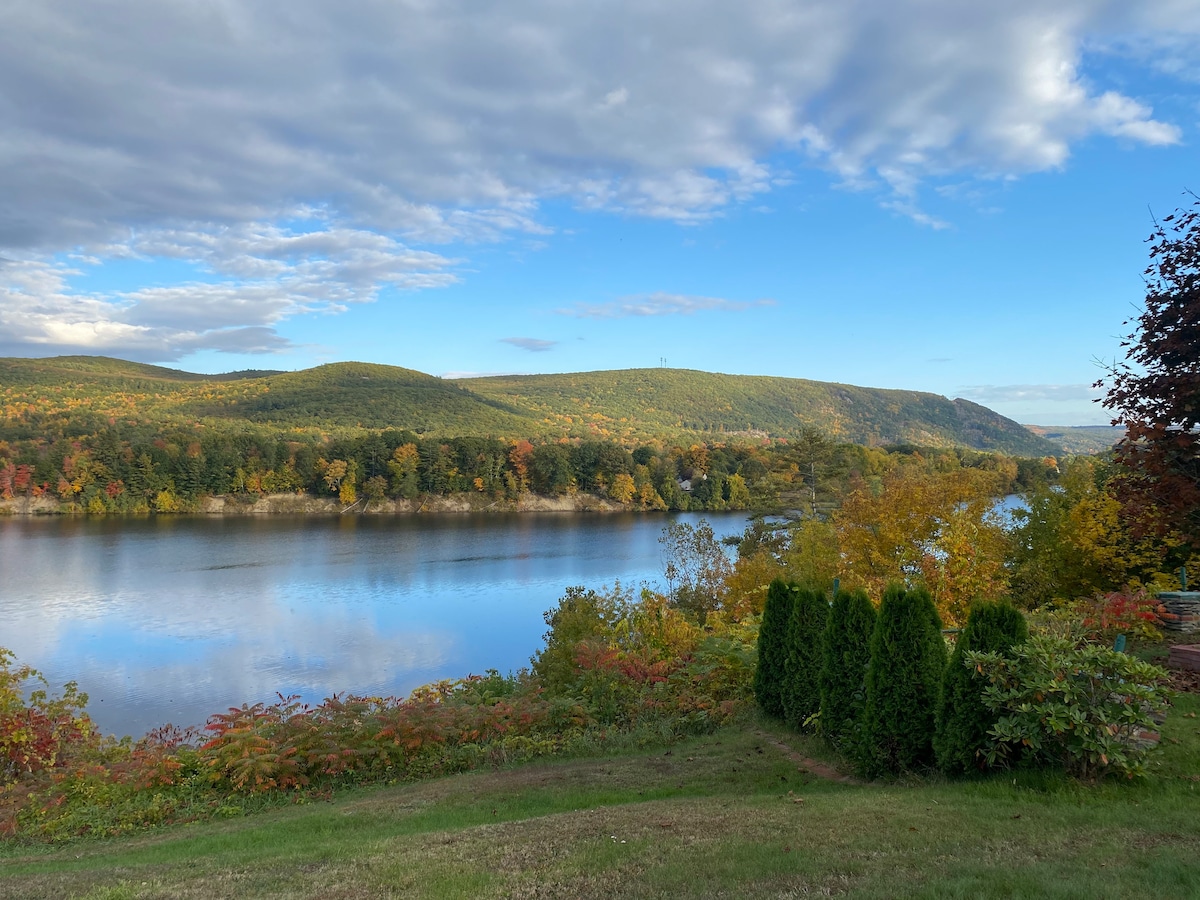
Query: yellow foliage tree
x=739 y=492
x=812 y=556
x=622 y=489
x=920 y=524
x=403 y=469
x=334 y=474
x=656 y=624
x=165 y=501
x=649 y=499
x=1074 y=541
x=965 y=561
x=746 y=586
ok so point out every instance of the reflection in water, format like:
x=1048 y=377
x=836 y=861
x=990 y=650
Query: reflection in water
x=172 y=619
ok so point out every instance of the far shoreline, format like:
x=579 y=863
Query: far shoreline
x=302 y=504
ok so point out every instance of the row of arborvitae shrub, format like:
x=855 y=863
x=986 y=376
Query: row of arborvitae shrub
x=879 y=687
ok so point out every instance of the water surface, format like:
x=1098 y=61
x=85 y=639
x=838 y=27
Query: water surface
x=171 y=619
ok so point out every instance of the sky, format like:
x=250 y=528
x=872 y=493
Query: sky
x=921 y=194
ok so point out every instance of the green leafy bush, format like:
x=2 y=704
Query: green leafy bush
x=847 y=652
x=1087 y=708
x=963 y=721
x=802 y=668
x=582 y=615
x=772 y=648
x=904 y=678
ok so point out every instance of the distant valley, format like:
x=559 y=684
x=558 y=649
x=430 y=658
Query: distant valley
x=1080 y=438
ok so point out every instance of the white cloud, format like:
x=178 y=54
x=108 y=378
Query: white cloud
x=200 y=129
x=658 y=304
x=615 y=98
x=533 y=345
x=249 y=278
x=444 y=120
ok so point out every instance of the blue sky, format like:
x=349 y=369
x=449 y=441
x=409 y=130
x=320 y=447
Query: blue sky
x=928 y=194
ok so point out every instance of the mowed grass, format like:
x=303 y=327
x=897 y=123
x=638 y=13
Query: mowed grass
x=728 y=815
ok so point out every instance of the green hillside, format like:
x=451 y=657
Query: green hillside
x=362 y=394
x=625 y=405
x=107 y=370
x=668 y=401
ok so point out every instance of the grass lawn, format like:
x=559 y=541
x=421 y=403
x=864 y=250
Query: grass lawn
x=727 y=815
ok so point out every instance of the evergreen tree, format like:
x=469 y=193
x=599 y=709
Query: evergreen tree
x=772 y=648
x=847 y=651
x=904 y=678
x=802 y=668
x=963 y=720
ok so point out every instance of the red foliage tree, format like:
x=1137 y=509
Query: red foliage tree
x=1155 y=392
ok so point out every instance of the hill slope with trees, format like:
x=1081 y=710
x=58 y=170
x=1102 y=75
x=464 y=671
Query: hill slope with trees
x=667 y=401
x=78 y=393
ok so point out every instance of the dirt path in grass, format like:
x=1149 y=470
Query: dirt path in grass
x=808 y=764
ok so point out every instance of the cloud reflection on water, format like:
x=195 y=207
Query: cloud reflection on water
x=174 y=619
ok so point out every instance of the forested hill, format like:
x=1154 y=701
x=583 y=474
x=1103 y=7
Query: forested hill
x=664 y=401
x=81 y=393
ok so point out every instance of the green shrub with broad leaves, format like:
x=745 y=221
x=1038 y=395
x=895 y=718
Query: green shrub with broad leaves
x=1085 y=707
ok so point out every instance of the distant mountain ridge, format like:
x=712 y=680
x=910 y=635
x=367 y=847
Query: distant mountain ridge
x=621 y=404
x=703 y=402
x=1088 y=439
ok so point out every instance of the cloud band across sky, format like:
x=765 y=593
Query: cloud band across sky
x=448 y=119
x=285 y=162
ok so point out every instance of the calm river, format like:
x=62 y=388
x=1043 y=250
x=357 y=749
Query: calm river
x=172 y=619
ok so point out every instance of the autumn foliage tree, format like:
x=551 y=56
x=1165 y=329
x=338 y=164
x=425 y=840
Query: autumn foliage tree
x=696 y=568
x=1071 y=540
x=1155 y=392
x=932 y=526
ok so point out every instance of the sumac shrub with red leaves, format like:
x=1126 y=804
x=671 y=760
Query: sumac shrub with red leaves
x=288 y=745
x=37 y=731
x=1133 y=613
